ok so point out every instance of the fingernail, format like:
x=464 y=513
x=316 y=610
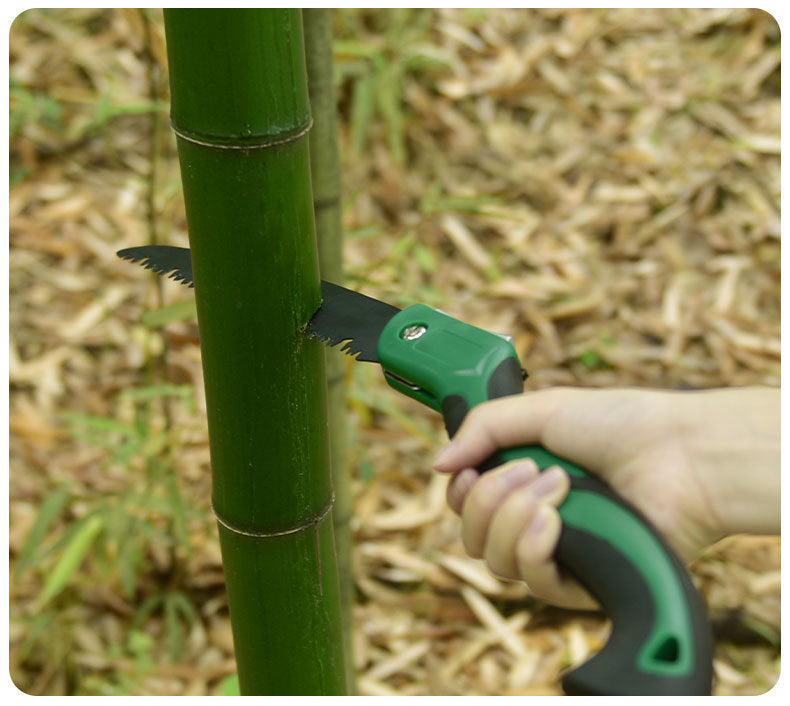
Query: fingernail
x=459 y=488
x=539 y=521
x=521 y=470
x=547 y=482
x=444 y=456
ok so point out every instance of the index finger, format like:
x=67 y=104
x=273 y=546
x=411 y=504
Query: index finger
x=500 y=423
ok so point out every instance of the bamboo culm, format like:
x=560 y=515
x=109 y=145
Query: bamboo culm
x=241 y=114
x=327 y=192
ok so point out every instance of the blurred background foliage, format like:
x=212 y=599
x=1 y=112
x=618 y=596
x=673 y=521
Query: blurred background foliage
x=602 y=184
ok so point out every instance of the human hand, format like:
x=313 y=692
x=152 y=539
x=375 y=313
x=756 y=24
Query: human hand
x=679 y=457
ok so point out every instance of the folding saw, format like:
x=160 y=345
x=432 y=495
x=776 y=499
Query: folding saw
x=660 y=642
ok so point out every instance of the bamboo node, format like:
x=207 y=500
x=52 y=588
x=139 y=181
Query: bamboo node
x=310 y=523
x=263 y=141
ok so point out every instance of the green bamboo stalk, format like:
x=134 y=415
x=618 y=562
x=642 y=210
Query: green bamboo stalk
x=327 y=192
x=241 y=113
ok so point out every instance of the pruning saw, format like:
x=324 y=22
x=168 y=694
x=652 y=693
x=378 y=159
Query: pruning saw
x=660 y=643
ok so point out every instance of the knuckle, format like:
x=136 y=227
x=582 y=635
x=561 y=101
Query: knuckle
x=482 y=499
x=498 y=568
x=471 y=547
x=529 y=554
x=525 y=557
x=541 y=592
x=454 y=493
x=498 y=562
x=474 y=418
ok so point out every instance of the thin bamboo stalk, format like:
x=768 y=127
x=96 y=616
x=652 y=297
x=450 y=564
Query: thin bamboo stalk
x=241 y=113
x=327 y=192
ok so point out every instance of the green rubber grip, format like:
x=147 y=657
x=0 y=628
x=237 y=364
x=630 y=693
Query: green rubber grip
x=660 y=643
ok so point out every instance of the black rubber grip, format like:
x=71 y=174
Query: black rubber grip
x=627 y=599
x=660 y=642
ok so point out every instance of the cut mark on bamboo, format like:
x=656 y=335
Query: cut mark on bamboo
x=311 y=522
x=265 y=141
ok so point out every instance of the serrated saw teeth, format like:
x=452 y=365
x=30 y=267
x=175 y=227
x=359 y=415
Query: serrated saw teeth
x=344 y=316
x=349 y=348
x=174 y=263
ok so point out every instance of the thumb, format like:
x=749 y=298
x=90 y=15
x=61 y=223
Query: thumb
x=498 y=424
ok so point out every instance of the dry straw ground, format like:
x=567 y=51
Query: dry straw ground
x=602 y=184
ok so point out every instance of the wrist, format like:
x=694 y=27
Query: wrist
x=733 y=443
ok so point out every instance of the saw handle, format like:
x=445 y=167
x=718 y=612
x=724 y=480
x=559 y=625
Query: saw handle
x=660 y=642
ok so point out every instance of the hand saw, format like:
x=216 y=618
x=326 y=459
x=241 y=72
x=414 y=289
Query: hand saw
x=660 y=642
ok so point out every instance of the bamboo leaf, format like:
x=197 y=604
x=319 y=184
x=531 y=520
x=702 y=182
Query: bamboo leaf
x=120 y=439
x=350 y=70
x=424 y=257
x=38 y=625
x=593 y=360
x=17 y=175
x=185 y=310
x=354 y=47
x=147 y=529
x=140 y=644
x=763 y=629
x=71 y=558
x=229 y=686
x=434 y=201
x=363 y=106
x=155 y=391
x=420 y=61
x=173 y=630
x=363 y=233
x=50 y=508
x=60 y=542
x=141 y=422
x=390 y=101
x=184 y=393
x=105 y=109
x=154 y=445
x=100 y=551
x=28 y=108
x=104 y=424
x=146 y=609
x=402 y=246
x=177 y=511
x=129 y=560
x=185 y=606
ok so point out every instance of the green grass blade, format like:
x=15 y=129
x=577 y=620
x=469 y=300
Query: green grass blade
x=180 y=311
x=129 y=561
x=184 y=393
x=71 y=558
x=390 y=101
x=146 y=609
x=174 y=631
x=50 y=508
x=185 y=606
x=352 y=47
x=229 y=686
x=103 y=424
x=39 y=626
x=363 y=106
x=178 y=512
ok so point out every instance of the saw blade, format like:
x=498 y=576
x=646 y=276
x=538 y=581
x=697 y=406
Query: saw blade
x=168 y=260
x=345 y=316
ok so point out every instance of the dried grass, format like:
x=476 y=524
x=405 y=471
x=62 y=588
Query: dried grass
x=633 y=156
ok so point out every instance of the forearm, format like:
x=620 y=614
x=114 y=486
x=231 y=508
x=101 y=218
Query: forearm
x=733 y=441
